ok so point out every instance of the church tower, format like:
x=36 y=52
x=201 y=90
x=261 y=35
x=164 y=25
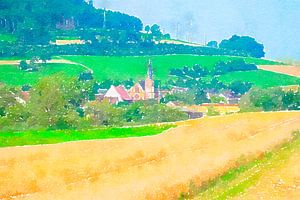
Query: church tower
x=149 y=82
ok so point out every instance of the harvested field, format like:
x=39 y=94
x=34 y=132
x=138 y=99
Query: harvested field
x=280 y=181
x=156 y=167
x=221 y=108
x=282 y=69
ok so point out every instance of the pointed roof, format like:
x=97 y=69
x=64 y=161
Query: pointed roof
x=150 y=70
x=123 y=93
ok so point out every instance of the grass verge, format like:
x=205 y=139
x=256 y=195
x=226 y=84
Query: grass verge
x=59 y=136
x=237 y=180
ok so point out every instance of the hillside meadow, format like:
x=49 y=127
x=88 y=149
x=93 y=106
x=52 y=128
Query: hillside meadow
x=12 y=75
x=135 y=67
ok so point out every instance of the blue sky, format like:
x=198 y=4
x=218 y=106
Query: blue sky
x=275 y=23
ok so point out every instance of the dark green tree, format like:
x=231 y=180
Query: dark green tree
x=244 y=43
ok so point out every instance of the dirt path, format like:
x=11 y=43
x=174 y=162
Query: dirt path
x=53 y=61
x=158 y=167
x=282 y=69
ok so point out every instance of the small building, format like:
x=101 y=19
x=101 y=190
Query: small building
x=117 y=94
x=176 y=89
x=163 y=93
x=231 y=97
x=227 y=96
x=100 y=95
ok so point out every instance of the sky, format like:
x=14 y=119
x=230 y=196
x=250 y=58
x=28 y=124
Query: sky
x=275 y=23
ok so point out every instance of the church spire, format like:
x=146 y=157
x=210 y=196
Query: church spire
x=150 y=70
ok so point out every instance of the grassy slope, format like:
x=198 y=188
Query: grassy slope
x=52 y=137
x=7 y=38
x=261 y=78
x=236 y=181
x=121 y=68
x=13 y=76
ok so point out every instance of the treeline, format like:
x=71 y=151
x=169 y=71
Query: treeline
x=271 y=99
x=37 y=18
x=61 y=102
x=200 y=77
x=219 y=68
x=107 y=48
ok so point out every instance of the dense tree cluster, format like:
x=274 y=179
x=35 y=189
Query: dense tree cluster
x=233 y=66
x=33 y=20
x=272 y=99
x=244 y=43
x=107 y=48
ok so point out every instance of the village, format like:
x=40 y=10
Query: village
x=144 y=90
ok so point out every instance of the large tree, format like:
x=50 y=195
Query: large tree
x=51 y=102
x=244 y=43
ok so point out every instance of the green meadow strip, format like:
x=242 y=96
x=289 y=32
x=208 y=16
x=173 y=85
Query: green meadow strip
x=59 y=136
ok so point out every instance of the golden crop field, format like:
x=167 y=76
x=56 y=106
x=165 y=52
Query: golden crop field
x=155 y=167
x=283 y=69
x=222 y=109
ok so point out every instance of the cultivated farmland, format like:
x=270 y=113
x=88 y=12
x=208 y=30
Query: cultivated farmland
x=156 y=167
x=282 y=69
x=261 y=78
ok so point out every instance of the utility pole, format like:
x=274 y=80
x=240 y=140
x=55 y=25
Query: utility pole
x=177 y=30
x=104 y=18
x=104 y=14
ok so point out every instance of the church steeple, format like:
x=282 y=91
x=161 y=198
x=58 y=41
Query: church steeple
x=150 y=70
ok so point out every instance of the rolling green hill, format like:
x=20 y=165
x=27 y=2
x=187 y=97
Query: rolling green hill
x=123 y=68
x=12 y=75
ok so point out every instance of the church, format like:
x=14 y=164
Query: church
x=144 y=90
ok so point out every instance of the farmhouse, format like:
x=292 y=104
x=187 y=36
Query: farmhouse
x=117 y=94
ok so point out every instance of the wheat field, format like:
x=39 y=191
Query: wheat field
x=154 y=167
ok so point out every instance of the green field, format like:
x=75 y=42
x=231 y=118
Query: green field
x=236 y=181
x=261 y=78
x=12 y=75
x=135 y=67
x=7 y=38
x=59 y=136
x=123 y=68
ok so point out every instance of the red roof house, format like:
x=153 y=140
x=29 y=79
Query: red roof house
x=117 y=94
